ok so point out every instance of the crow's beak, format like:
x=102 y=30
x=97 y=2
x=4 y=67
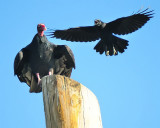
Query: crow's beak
x=96 y=21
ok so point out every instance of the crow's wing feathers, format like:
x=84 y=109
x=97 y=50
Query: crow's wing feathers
x=129 y=24
x=82 y=34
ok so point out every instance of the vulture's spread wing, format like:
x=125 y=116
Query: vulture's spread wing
x=20 y=62
x=23 y=70
x=64 y=50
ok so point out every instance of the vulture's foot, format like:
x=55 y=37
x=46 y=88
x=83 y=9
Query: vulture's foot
x=51 y=71
x=39 y=79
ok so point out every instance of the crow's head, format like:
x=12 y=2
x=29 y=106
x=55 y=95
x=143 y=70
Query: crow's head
x=41 y=28
x=98 y=22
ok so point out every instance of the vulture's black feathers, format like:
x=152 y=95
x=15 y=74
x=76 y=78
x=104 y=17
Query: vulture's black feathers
x=41 y=56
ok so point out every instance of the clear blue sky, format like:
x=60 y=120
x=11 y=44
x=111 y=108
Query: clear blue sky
x=127 y=86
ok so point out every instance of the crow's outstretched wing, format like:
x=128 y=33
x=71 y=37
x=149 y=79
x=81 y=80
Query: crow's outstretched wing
x=81 y=34
x=129 y=24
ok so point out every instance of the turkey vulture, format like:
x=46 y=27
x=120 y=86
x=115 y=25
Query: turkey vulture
x=41 y=58
x=109 y=43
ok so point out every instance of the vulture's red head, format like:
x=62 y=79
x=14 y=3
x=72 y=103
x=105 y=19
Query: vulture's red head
x=41 y=28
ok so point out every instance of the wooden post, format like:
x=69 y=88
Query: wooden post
x=69 y=104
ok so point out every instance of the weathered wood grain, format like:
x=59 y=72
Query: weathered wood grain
x=69 y=104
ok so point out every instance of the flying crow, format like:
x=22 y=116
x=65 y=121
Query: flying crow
x=109 y=42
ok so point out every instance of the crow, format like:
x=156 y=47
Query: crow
x=109 y=42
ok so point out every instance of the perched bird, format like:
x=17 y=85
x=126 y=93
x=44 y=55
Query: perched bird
x=41 y=58
x=109 y=43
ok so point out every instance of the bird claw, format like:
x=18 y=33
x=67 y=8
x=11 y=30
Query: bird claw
x=39 y=81
x=39 y=84
x=50 y=73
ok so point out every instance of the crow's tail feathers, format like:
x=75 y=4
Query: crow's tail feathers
x=112 y=46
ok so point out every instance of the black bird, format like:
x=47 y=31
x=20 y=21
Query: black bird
x=109 y=43
x=41 y=58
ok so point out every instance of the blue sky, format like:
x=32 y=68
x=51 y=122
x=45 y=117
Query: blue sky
x=127 y=86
